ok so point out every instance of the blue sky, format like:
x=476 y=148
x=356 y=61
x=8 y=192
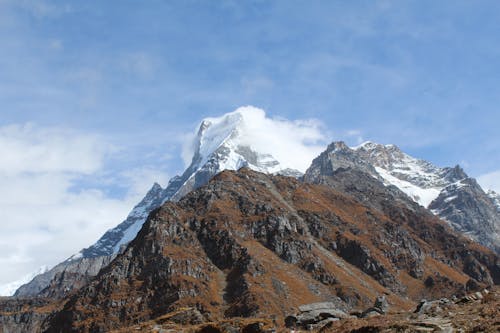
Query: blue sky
x=122 y=82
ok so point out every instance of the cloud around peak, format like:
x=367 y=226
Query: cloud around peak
x=294 y=143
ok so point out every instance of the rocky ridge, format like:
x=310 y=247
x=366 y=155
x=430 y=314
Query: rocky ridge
x=448 y=192
x=319 y=230
x=224 y=249
x=217 y=147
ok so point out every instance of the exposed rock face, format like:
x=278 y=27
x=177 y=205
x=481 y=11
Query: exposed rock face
x=366 y=172
x=217 y=147
x=64 y=278
x=24 y=315
x=249 y=244
x=315 y=315
x=449 y=192
x=477 y=312
x=470 y=211
x=369 y=190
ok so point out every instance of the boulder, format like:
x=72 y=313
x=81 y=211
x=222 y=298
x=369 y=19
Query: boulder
x=315 y=315
x=381 y=304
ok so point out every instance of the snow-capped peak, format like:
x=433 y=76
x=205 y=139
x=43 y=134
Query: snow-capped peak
x=225 y=137
x=214 y=132
x=402 y=166
x=219 y=144
x=419 y=179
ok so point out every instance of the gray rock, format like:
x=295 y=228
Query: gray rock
x=321 y=324
x=315 y=315
x=371 y=312
x=381 y=303
x=316 y=306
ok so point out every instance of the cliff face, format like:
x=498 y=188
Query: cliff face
x=470 y=211
x=217 y=146
x=25 y=315
x=250 y=244
x=448 y=192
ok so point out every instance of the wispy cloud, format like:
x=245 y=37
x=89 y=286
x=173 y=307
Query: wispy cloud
x=35 y=150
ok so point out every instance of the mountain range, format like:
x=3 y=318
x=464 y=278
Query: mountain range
x=360 y=222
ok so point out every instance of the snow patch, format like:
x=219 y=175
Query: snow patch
x=451 y=198
x=129 y=234
x=424 y=196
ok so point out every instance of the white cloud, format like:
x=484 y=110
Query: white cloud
x=490 y=181
x=294 y=143
x=141 y=179
x=46 y=216
x=55 y=184
x=26 y=148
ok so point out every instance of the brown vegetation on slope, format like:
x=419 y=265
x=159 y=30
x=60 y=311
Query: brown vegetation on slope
x=249 y=244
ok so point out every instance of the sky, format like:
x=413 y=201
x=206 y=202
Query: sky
x=98 y=98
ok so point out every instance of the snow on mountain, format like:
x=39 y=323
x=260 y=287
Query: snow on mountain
x=448 y=192
x=423 y=196
x=10 y=288
x=220 y=143
x=419 y=179
x=113 y=239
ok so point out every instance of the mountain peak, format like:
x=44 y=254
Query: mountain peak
x=449 y=192
x=224 y=139
x=337 y=146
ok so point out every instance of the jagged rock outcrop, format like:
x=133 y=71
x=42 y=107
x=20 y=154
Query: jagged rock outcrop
x=448 y=192
x=217 y=147
x=250 y=244
x=24 y=315
x=470 y=211
x=315 y=315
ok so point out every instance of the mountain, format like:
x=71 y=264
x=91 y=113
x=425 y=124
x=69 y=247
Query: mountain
x=217 y=146
x=449 y=192
x=253 y=245
x=260 y=246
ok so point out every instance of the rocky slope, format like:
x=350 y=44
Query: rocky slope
x=217 y=147
x=250 y=244
x=448 y=192
x=25 y=315
x=477 y=312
